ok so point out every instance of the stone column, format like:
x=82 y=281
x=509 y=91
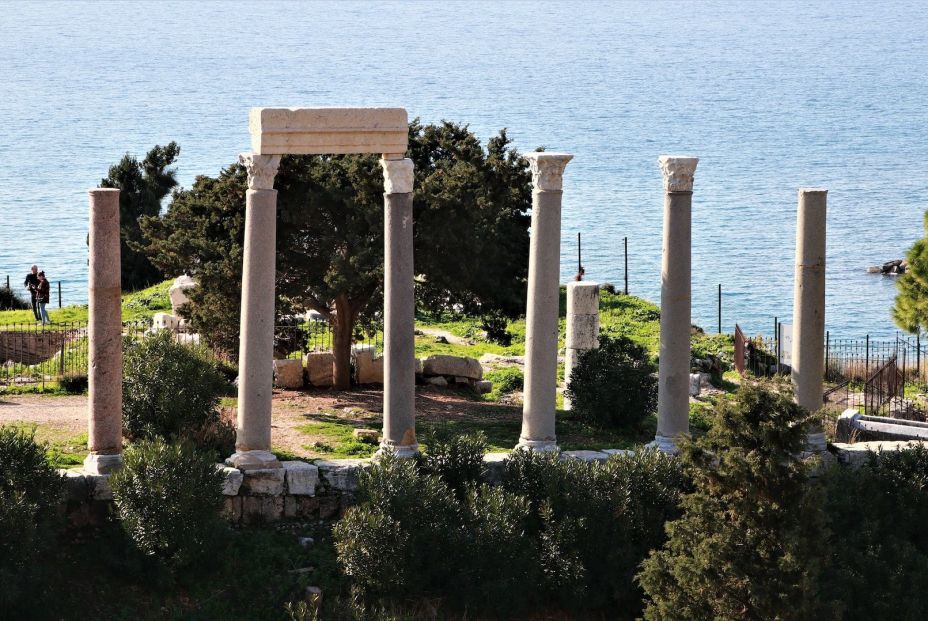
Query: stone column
x=541 y=327
x=673 y=401
x=808 y=359
x=582 y=325
x=104 y=356
x=399 y=372
x=256 y=349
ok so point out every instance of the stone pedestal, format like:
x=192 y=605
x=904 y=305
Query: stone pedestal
x=104 y=356
x=808 y=359
x=674 y=364
x=256 y=352
x=582 y=325
x=399 y=414
x=541 y=326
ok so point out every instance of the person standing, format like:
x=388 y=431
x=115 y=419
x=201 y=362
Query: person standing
x=32 y=284
x=43 y=291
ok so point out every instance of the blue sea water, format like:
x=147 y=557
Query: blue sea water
x=770 y=95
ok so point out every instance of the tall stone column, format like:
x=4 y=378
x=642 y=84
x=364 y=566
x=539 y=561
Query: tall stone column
x=104 y=357
x=673 y=401
x=582 y=326
x=808 y=359
x=256 y=349
x=399 y=372
x=541 y=327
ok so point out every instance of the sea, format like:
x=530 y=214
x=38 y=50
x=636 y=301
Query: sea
x=771 y=96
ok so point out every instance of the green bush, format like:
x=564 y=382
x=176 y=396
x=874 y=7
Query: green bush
x=170 y=392
x=74 y=383
x=456 y=459
x=30 y=492
x=10 y=300
x=751 y=541
x=879 y=546
x=614 y=385
x=169 y=499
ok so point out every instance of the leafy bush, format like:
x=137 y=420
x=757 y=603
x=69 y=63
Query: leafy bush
x=74 y=383
x=557 y=532
x=30 y=491
x=10 y=300
x=494 y=325
x=614 y=385
x=750 y=543
x=169 y=499
x=172 y=393
x=879 y=547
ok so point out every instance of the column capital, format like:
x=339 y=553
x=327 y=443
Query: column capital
x=804 y=191
x=547 y=169
x=397 y=175
x=261 y=170
x=678 y=171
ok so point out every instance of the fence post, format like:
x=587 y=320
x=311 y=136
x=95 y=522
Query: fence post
x=626 y=266
x=579 y=258
x=720 y=308
x=918 y=355
x=59 y=294
x=827 y=351
x=776 y=336
x=867 y=359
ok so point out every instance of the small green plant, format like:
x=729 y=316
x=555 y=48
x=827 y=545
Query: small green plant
x=30 y=491
x=74 y=383
x=505 y=380
x=170 y=392
x=169 y=498
x=456 y=459
x=10 y=300
x=614 y=385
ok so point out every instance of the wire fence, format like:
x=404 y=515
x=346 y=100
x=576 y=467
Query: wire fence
x=32 y=354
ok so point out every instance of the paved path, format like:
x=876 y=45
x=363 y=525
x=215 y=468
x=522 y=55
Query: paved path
x=66 y=413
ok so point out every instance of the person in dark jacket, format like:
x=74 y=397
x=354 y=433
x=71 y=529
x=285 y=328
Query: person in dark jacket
x=43 y=291
x=32 y=284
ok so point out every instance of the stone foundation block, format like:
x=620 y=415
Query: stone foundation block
x=341 y=474
x=290 y=507
x=307 y=506
x=288 y=374
x=598 y=456
x=232 y=481
x=258 y=509
x=496 y=466
x=76 y=487
x=439 y=381
x=100 y=486
x=330 y=507
x=301 y=478
x=320 y=368
x=483 y=387
x=265 y=482
x=368 y=369
x=232 y=508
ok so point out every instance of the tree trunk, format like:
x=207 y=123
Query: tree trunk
x=342 y=332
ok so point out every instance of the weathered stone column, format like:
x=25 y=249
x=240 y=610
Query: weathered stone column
x=582 y=325
x=104 y=357
x=673 y=401
x=399 y=372
x=808 y=359
x=541 y=327
x=256 y=349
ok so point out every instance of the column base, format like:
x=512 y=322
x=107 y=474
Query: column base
x=96 y=463
x=816 y=443
x=541 y=446
x=402 y=451
x=664 y=444
x=253 y=460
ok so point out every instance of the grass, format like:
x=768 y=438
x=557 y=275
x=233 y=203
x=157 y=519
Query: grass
x=63 y=449
x=136 y=306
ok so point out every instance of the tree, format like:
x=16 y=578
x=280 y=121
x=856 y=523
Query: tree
x=471 y=236
x=751 y=541
x=910 y=311
x=143 y=185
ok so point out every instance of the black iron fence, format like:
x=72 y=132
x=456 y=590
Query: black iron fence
x=32 y=354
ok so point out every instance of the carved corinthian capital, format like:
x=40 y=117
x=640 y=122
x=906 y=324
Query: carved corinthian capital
x=261 y=170
x=678 y=171
x=548 y=169
x=397 y=176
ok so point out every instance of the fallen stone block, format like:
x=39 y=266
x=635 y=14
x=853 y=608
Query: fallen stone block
x=301 y=478
x=438 y=380
x=288 y=374
x=695 y=384
x=483 y=387
x=178 y=291
x=263 y=482
x=453 y=366
x=320 y=368
x=371 y=436
x=341 y=474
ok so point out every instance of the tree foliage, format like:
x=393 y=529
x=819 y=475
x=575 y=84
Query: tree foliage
x=471 y=235
x=910 y=311
x=750 y=544
x=143 y=185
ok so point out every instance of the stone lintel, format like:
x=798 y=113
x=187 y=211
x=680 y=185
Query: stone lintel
x=678 y=171
x=320 y=131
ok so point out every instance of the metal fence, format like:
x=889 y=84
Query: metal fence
x=32 y=354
